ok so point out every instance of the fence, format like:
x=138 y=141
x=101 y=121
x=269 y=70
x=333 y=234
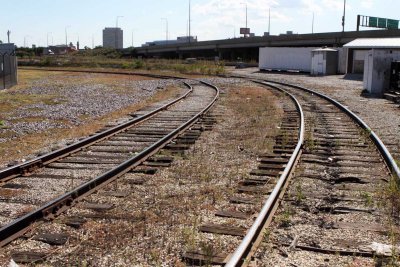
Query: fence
x=8 y=70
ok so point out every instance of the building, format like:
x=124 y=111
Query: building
x=8 y=66
x=59 y=49
x=285 y=58
x=113 y=38
x=324 y=61
x=375 y=55
x=179 y=40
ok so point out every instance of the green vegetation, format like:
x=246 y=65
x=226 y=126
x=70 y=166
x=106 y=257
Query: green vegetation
x=111 y=58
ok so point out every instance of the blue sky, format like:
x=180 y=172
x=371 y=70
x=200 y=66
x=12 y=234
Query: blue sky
x=211 y=19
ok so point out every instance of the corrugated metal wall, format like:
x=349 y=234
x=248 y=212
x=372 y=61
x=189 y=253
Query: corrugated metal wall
x=8 y=70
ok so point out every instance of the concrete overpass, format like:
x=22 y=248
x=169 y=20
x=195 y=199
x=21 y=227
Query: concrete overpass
x=247 y=48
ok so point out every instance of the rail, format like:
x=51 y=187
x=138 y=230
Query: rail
x=18 y=227
x=19 y=169
x=240 y=254
x=394 y=168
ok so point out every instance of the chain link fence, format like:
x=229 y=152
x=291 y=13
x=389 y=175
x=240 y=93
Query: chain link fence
x=8 y=70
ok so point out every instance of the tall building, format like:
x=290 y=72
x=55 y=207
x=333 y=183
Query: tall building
x=113 y=37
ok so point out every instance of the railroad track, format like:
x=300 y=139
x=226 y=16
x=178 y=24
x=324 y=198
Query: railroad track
x=316 y=171
x=344 y=170
x=46 y=186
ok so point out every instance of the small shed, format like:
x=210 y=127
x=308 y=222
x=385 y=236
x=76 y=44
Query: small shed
x=324 y=61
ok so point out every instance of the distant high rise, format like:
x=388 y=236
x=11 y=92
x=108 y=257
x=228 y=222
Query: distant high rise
x=113 y=37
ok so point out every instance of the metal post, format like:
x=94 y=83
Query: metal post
x=8 y=35
x=344 y=15
x=269 y=21
x=4 y=72
x=312 y=27
x=189 y=20
x=246 y=17
x=116 y=32
x=66 y=35
x=166 y=28
x=358 y=22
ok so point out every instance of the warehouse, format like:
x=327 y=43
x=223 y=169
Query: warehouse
x=379 y=53
x=300 y=59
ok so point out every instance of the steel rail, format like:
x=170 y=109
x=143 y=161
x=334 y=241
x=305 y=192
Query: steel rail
x=16 y=170
x=390 y=162
x=240 y=255
x=53 y=208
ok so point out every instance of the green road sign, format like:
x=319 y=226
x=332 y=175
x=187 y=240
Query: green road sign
x=373 y=22
x=382 y=23
x=392 y=24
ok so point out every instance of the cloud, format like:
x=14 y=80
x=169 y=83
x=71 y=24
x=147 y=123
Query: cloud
x=367 y=4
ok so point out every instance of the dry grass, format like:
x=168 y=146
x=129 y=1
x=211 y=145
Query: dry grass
x=256 y=118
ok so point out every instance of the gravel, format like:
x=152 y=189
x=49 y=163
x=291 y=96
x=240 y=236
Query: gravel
x=382 y=115
x=72 y=104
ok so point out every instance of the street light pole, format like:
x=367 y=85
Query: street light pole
x=269 y=21
x=66 y=35
x=48 y=38
x=166 y=28
x=312 y=26
x=116 y=32
x=246 y=17
x=344 y=15
x=189 y=20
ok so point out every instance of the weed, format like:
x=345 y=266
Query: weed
x=208 y=249
x=299 y=194
x=266 y=234
x=189 y=236
x=283 y=219
x=367 y=199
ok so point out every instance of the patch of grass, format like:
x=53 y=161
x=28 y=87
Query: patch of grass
x=367 y=197
x=299 y=194
x=284 y=218
x=202 y=67
x=253 y=110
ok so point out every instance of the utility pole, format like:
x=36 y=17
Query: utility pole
x=269 y=21
x=8 y=35
x=344 y=15
x=246 y=17
x=66 y=35
x=312 y=26
x=189 y=19
x=48 y=38
x=166 y=28
x=116 y=32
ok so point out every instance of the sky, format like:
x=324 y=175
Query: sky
x=41 y=21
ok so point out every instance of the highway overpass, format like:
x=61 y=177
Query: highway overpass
x=247 y=48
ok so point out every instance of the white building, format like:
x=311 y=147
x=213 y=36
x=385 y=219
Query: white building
x=379 y=53
x=113 y=38
x=285 y=58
